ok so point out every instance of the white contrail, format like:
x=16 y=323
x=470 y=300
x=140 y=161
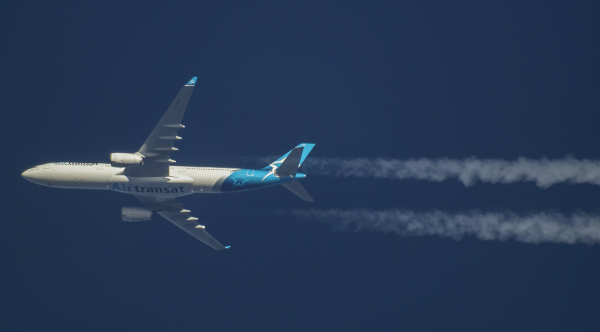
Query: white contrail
x=544 y=172
x=532 y=228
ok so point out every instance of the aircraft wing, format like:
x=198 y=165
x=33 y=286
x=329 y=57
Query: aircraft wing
x=158 y=146
x=172 y=210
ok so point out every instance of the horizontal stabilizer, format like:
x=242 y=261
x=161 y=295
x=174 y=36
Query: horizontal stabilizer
x=290 y=165
x=297 y=188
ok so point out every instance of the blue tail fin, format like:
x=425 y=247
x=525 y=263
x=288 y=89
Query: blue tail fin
x=307 y=148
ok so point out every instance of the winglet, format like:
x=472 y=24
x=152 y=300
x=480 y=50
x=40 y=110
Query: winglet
x=227 y=247
x=192 y=82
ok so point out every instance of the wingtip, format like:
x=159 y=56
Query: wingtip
x=192 y=82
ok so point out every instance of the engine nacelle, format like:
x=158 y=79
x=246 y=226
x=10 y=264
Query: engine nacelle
x=136 y=214
x=126 y=159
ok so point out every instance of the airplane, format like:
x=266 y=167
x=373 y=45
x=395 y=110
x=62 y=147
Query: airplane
x=150 y=176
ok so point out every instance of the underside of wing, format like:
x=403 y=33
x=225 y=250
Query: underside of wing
x=157 y=148
x=182 y=220
x=172 y=210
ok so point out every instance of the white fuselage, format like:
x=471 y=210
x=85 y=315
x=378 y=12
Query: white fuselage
x=182 y=180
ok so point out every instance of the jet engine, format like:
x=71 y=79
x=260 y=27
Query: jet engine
x=136 y=214
x=126 y=159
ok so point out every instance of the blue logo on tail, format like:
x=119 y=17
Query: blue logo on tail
x=192 y=81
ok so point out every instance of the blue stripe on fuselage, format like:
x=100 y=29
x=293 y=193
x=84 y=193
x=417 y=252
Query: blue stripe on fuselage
x=247 y=179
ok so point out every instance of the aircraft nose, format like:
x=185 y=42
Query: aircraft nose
x=32 y=175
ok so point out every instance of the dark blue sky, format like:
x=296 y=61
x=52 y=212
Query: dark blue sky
x=493 y=79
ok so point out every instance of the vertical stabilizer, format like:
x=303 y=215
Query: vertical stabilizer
x=306 y=148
